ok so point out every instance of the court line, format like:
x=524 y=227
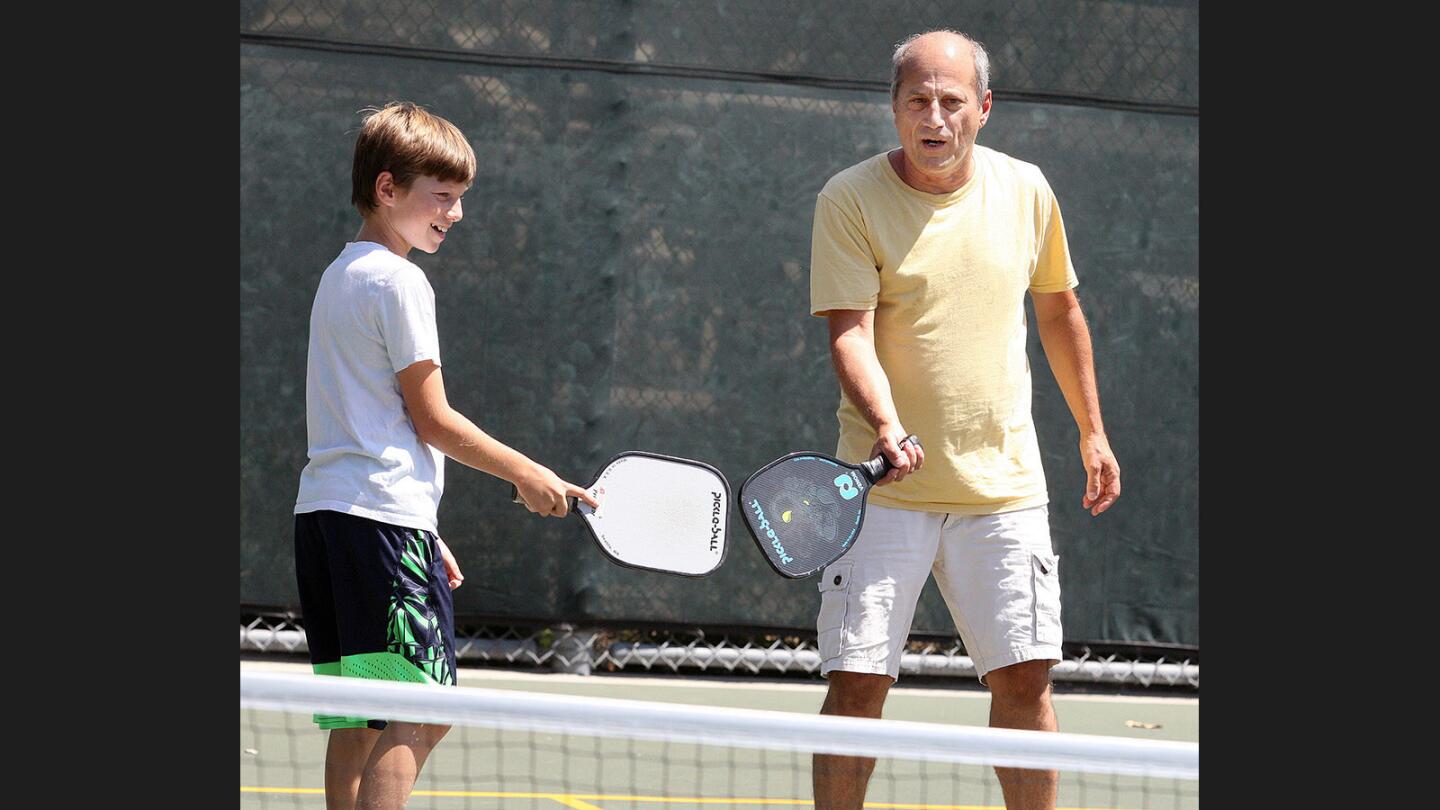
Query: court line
x=572 y=801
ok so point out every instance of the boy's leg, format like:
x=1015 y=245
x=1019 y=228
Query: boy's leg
x=867 y=601
x=313 y=579
x=396 y=622
x=350 y=738
x=998 y=576
x=395 y=764
x=345 y=756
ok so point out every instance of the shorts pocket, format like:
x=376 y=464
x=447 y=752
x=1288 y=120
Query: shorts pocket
x=834 y=607
x=1046 y=576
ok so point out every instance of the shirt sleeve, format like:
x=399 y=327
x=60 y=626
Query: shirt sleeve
x=407 y=320
x=843 y=270
x=1053 y=269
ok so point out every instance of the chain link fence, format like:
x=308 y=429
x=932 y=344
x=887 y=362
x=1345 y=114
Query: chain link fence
x=580 y=650
x=1135 y=54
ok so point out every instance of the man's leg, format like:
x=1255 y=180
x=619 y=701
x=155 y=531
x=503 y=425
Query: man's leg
x=345 y=757
x=1020 y=698
x=840 y=782
x=867 y=601
x=999 y=576
x=395 y=763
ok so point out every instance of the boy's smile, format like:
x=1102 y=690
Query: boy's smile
x=414 y=217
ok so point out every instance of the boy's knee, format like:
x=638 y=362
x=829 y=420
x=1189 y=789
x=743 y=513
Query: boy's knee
x=424 y=735
x=435 y=733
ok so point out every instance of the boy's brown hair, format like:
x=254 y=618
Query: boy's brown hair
x=407 y=140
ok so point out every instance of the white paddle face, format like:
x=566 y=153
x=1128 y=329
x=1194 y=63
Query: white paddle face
x=661 y=514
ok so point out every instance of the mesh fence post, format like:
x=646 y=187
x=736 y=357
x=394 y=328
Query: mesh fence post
x=573 y=651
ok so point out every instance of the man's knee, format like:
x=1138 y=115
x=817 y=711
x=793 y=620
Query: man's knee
x=856 y=694
x=1025 y=682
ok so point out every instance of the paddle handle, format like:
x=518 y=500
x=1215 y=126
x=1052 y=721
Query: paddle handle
x=515 y=498
x=875 y=468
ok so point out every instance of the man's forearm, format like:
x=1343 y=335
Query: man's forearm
x=1066 y=340
x=864 y=381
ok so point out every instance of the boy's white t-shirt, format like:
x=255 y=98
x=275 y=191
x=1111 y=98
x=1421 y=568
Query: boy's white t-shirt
x=373 y=316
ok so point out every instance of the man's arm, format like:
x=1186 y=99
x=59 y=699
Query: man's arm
x=1066 y=339
x=447 y=430
x=852 y=348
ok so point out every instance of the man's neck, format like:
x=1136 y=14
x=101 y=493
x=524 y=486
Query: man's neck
x=929 y=184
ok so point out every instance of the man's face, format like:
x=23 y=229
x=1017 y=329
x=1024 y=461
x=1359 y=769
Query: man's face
x=423 y=212
x=937 y=114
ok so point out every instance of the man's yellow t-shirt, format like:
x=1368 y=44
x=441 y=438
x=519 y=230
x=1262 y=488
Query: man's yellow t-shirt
x=946 y=275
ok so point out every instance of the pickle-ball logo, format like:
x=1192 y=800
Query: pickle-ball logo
x=715 y=523
x=769 y=532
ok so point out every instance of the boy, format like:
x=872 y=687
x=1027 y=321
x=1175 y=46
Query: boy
x=374 y=575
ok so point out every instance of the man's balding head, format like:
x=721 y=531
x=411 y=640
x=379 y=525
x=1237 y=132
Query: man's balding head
x=940 y=100
x=940 y=43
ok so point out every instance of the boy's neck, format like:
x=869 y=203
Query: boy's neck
x=374 y=229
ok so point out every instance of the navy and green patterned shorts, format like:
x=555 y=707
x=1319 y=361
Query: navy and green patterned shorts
x=376 y=603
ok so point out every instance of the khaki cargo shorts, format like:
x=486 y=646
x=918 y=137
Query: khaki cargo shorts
x=997 y=573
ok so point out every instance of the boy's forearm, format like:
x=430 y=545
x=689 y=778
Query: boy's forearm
x=456 y=436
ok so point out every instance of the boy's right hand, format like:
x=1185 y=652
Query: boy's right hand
x=546 y=493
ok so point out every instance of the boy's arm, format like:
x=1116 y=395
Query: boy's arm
x=447 y=430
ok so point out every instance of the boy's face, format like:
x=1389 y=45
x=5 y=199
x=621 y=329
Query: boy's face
x=423 y=212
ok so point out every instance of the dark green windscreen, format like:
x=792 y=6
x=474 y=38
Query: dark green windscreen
x=632 y=268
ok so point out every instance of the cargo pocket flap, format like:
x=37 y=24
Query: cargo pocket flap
x=1047 y=562
x=835 y=578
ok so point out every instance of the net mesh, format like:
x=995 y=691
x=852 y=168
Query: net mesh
x=517 y=749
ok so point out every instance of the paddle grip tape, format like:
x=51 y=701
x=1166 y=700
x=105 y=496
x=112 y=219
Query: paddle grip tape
x=515 y=498
x=875 y=468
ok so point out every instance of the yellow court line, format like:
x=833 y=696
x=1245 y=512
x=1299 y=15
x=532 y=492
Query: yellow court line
x=580 y=801
x=571 y=801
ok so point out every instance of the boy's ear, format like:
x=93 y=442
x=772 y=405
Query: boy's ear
x=385 y=188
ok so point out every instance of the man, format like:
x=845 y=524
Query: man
x=921 y=258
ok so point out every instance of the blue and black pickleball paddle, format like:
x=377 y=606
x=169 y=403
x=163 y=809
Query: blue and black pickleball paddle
x=805 y=509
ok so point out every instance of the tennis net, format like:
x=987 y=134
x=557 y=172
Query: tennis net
x=510 y=749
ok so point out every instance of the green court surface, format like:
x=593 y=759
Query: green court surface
x=281 y=759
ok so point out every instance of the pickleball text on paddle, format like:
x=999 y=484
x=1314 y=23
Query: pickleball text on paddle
x=804 y=510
